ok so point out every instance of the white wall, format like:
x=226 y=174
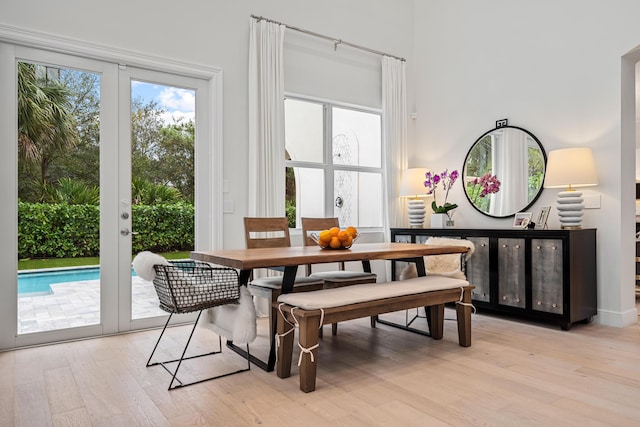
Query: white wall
x=553 y=68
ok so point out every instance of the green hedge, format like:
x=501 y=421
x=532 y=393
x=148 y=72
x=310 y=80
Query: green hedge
x=68 y=231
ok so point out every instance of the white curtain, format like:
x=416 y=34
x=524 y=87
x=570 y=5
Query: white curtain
x=510 y=166
x=266 y=127
x=266 y=119
x=394 y=127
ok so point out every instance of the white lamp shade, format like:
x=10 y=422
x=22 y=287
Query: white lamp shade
x=570 y=167
x=412 y=183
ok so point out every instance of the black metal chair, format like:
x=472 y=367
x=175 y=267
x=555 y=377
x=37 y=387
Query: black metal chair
x=190 y=286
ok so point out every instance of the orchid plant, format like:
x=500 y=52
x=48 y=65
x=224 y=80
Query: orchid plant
x=446 y=180
x=479 y=188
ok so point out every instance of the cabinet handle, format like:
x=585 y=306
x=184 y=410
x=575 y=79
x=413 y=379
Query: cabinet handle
x=517 y=299
x=554 y=305
x=504 y=298
x=504 y=246
x=539 y=302
x=517 y=246
x=554 y=247
x=538 y=247
x=483 y=244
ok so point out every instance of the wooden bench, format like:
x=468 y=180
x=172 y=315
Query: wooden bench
x=311 y=310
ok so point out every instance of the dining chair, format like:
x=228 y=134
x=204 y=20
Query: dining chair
x=334 y=278
x=192 y=286
x=273 y=232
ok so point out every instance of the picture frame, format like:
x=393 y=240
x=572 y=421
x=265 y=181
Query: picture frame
x=522 y=219
x=543 y=216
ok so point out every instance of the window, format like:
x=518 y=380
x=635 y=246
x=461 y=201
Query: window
x=333 y=163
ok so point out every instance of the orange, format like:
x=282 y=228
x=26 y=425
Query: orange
x=348 y=242
x=334 y=231
x=352 y=231
x=343 y=235
x=325 y=237
x=335 y=242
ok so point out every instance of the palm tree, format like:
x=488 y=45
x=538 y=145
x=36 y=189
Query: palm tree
x=46 y=126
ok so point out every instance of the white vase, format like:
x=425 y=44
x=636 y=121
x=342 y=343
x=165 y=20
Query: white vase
x=437 y=220
x=440 y=220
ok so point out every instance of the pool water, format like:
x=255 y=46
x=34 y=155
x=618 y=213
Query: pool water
x=37 y=282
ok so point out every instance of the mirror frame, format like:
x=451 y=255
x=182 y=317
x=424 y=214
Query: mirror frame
x=464 y=168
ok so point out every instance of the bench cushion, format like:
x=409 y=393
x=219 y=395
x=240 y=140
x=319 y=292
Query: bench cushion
x=337 y=297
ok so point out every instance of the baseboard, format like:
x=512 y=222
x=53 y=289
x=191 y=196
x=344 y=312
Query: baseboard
x=617 y=319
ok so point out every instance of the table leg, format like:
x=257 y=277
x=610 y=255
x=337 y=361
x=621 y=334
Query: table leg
x=244 y=277
x=421 y=270
x=420 y=266
x=244 y=280
x=288 y=280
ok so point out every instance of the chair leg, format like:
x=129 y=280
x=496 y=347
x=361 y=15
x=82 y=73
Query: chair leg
x=334 y=329
x=185 y=351
x=158 y=342
x=174 y=373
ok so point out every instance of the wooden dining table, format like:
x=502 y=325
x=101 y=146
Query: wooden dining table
x=290 y=258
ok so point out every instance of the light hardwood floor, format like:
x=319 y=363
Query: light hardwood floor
x=514 y=374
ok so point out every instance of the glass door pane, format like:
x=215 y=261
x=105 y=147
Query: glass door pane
x=58 y=197
x=162 y=180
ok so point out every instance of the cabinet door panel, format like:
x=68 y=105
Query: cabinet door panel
x=402 y=238
x=478 y=269
x=422 y=239
x=546 y=275
x=511 y=272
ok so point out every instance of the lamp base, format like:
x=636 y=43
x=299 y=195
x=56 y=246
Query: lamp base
x=417 y=213
x=570 y=206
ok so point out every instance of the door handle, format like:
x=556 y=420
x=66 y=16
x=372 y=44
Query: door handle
x=126 y=232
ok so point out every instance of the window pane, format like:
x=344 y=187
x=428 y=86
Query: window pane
x=358 y=198
x=356 y=138
x=305 y=194
x=303 y=130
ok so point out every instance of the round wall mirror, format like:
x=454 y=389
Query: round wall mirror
x=504 y=171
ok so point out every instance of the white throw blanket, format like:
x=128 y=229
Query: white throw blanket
x=236 y=322
x=441 y=265
x=143 y=264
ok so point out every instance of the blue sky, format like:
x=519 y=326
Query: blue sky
x=179 y=103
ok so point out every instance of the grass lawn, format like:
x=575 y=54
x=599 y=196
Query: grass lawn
x=33 y=264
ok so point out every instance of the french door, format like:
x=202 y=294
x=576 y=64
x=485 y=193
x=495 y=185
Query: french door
x=114 y=301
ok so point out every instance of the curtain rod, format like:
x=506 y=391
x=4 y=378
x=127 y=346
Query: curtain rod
x=335 y=41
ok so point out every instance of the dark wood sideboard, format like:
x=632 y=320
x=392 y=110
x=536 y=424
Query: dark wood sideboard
x=544 y=275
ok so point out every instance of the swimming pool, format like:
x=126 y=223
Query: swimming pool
x=39 y=281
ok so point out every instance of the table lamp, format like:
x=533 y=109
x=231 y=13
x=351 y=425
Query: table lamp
x=412 y=185
x=570 y=167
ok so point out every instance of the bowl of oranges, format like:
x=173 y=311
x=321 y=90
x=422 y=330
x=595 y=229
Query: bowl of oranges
x=335 y=238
